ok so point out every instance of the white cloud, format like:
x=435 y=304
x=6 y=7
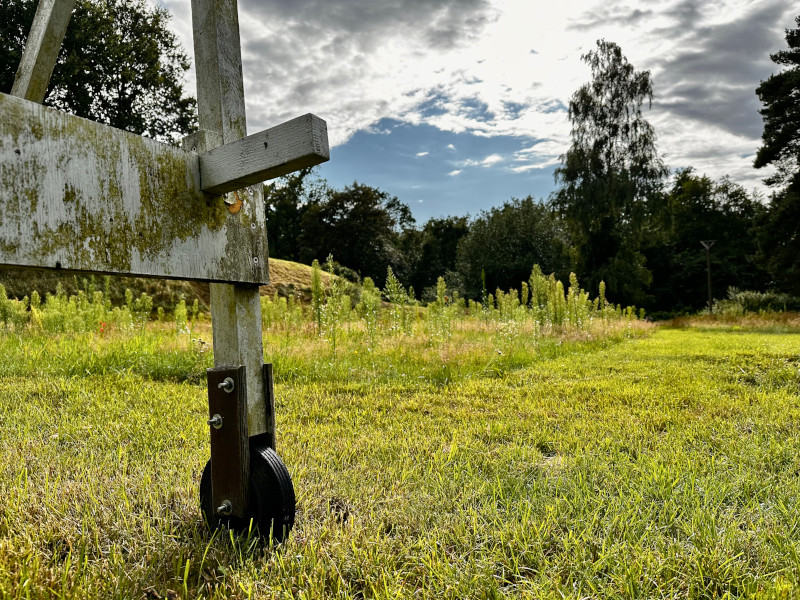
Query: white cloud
x=490 y=160
x=422 y=153
x=509 y=67
x=541 y=155
x=454 y=172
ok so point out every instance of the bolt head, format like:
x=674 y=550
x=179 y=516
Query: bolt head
x=225 y=508
x=227 y=385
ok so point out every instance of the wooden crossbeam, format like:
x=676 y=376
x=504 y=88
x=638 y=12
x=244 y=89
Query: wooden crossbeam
x=299 y=143
x=79 y=195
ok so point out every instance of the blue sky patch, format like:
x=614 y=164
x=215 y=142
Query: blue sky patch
x=437 y=173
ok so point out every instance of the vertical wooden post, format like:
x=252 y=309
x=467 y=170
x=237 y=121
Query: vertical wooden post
x=235 y=309
x=41 y=49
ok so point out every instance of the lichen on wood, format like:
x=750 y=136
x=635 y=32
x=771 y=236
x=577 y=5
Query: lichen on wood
x=79 y=195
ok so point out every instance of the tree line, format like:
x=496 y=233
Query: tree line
x=617 y=216
x=368 y=231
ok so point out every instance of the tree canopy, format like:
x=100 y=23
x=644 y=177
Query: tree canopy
x=119 y=64
x=698 y=208
x=505 y=242
x=611 y=177
x=286 y=199
x=780 y=94
x=360 y=226
x=779 y=235
x=431 y=251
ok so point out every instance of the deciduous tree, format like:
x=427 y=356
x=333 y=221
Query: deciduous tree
x=119 y=64
x=611 y=176
x=431 y=251
x=698 y=208
x=360 y=225
x=505 y=242
x=286 y=199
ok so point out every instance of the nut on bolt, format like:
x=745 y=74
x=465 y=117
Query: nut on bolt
x=215 y=421
x=227 y=385
x=225 y=508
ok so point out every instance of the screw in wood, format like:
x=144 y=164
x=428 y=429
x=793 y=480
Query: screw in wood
x=225 y=508
x=215 y=421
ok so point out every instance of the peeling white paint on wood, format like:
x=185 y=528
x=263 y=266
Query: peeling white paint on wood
x=82 y=196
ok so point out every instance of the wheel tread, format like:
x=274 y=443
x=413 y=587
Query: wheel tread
x=271 y=503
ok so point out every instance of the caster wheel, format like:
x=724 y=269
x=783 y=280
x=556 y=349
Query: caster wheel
x=271 y=501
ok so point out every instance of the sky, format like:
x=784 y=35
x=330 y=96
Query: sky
x=456 y=106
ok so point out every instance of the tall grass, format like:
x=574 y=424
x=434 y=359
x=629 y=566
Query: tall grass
x=531 y=445
x=89 y=309
x=389 y=335
x=659 y=467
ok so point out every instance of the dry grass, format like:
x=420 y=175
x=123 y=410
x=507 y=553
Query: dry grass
x=782 y=321
x=656 y=466
x=287 y=275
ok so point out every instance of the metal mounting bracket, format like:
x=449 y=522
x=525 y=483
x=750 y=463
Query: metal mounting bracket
x=230 y=447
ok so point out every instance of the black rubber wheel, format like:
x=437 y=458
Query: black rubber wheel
x=271 y=501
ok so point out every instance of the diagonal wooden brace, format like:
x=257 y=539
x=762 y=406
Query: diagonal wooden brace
x=41 y=50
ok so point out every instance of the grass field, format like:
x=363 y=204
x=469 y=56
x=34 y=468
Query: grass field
x=639 y=463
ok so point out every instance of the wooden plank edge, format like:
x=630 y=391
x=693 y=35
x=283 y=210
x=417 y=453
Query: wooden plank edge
x=221 y=168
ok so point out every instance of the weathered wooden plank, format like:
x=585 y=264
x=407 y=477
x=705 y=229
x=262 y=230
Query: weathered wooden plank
x=218 y=64
x=82 y=196
x=236 y=322
x=299 y=143
x=235 y=309
x=41 y=49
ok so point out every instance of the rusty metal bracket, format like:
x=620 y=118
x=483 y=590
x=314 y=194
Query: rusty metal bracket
x=230 y=448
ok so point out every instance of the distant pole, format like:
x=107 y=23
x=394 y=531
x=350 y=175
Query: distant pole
x=707 y=245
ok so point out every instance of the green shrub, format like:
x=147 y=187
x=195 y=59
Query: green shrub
x=740 y=302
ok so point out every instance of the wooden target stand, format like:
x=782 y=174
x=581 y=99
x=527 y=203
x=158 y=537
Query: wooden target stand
x=80 y=196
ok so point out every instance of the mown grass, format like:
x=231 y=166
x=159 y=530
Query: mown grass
x=619 y=465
